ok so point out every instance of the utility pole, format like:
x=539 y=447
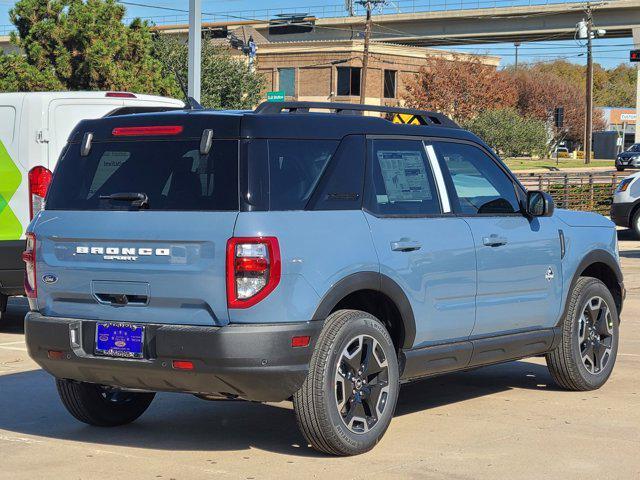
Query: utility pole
x=195 y=48
x=369 y=5
x=636 y=40
x=586 y=31
x=517 y=45
x=588 y=125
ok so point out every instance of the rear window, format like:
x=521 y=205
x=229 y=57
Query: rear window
x=172 y=174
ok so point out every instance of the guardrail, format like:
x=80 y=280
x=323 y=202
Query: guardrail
x=576 y=191
x=338 y=10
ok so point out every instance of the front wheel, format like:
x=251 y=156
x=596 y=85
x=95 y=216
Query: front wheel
x=587 y=351
x=3 y=305
x=100 y=405
x=620 y=169
x=348 y=399
x=635 y=223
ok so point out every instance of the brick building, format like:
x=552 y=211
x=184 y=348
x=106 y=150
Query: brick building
x=331 y=70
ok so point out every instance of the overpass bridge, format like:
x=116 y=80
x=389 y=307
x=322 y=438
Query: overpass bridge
x=433 y=22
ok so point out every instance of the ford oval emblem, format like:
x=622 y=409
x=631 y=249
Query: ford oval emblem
x=49 y=278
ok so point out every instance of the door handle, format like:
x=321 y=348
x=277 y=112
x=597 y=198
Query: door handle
x=494 y=241
x=404 y=245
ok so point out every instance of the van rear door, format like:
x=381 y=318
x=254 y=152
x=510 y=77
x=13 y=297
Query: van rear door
x=136 y=231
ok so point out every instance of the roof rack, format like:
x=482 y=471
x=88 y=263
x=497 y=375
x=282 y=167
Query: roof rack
x=397 y=114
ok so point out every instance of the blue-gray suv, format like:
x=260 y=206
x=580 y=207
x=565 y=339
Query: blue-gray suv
x=305 y=252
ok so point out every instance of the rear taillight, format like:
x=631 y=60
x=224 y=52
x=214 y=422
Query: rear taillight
x=29 y=257
x=39 y=180
x=253 y=270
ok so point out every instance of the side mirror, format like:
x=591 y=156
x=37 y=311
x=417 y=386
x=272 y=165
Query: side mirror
x=539 y=204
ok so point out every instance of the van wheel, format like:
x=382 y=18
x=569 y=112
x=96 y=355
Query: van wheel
x=102 y=406
x=348 y=399
x=620 y=169
x=587 y=351
x=635 y=223
x=3 y=305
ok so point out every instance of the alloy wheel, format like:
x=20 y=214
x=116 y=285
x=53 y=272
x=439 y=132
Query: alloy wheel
x=595 y=335
x=361 y=383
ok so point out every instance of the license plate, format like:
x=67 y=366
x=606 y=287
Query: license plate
x=122 y=340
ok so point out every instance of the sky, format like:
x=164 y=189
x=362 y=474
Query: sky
x=607 y=52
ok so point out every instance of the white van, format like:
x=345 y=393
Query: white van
x=34 y=128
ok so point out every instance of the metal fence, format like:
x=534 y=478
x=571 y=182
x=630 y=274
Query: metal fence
x=576 y=191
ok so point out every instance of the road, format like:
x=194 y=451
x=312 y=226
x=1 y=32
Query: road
x=506 y=421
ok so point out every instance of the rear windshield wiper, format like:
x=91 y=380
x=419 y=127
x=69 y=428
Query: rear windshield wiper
x=140 y=200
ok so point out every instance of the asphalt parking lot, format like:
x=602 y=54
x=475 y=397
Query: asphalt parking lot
x=506 y=421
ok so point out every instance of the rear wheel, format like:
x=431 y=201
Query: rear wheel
x=620 y=169
x=587 y=351
x=100 y=405
x=348 y=399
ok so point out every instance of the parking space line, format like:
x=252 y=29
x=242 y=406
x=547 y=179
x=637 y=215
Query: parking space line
x=21 y=342
x=18 y=349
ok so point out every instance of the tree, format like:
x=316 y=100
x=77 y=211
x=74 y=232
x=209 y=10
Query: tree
x=539 y=93
x=17 y=75
x=227 y=82
x=85 y=45
x=460 y=87
x=509 y=133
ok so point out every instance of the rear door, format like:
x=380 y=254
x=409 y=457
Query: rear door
x=519 y=271
x=421 y=245
x=162 y=261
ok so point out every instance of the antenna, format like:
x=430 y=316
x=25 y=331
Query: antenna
x=192 y=103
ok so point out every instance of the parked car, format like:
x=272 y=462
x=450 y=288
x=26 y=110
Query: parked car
x=34 y=128
x=630 y=158
x=319 y=257
x=625 y=208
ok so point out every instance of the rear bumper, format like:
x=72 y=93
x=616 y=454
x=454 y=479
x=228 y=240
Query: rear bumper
x=254 y=362
x=620 y=213
x=11 y=267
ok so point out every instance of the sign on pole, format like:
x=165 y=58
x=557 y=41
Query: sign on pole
x=277 y=96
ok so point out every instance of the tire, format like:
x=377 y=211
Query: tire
x=620 y=169
x=566 y=363
x=334 y=390
x=635 y=223
x=102 y=406
x=3 y=305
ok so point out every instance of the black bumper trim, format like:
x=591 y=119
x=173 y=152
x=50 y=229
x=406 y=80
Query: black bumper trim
x=254 y=362
x=11 y=267
x=621 y=213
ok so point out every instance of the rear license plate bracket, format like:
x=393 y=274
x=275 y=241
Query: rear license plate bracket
x=120 y=340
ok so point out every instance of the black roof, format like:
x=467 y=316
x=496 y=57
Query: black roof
x=278 y=121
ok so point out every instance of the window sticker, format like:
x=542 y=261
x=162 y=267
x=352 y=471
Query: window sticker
x=404 y=175
x=108 y=165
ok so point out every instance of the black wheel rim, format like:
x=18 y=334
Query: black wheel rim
x=115 y=396
x=362 y=383
x=595 y=335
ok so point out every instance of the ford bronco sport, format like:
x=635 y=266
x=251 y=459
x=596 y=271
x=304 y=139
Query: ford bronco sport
x=307 y=252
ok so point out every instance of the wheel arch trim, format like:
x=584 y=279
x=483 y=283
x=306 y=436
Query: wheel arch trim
x=591 y=258
x=370 y=281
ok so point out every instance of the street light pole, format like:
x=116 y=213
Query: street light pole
x=195 y=48
x=517 y=45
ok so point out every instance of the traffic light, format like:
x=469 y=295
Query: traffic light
x=634 y=56
x=558 y=117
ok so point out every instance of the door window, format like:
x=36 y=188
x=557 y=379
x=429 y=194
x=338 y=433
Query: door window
x=400 y=179
x=480 y=185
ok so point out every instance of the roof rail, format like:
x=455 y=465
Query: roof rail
x=420 y=117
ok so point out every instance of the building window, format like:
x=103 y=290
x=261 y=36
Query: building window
x=390 y=77
x=348 y=81
x=287 y=81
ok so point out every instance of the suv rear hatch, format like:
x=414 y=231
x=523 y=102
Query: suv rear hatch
x=135 y=229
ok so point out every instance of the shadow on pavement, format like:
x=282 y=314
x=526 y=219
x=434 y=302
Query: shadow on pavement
x=29 y=405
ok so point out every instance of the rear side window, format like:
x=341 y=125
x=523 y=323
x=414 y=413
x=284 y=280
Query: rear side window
x=172 y=174
x=295 y=167
x=400 y=179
